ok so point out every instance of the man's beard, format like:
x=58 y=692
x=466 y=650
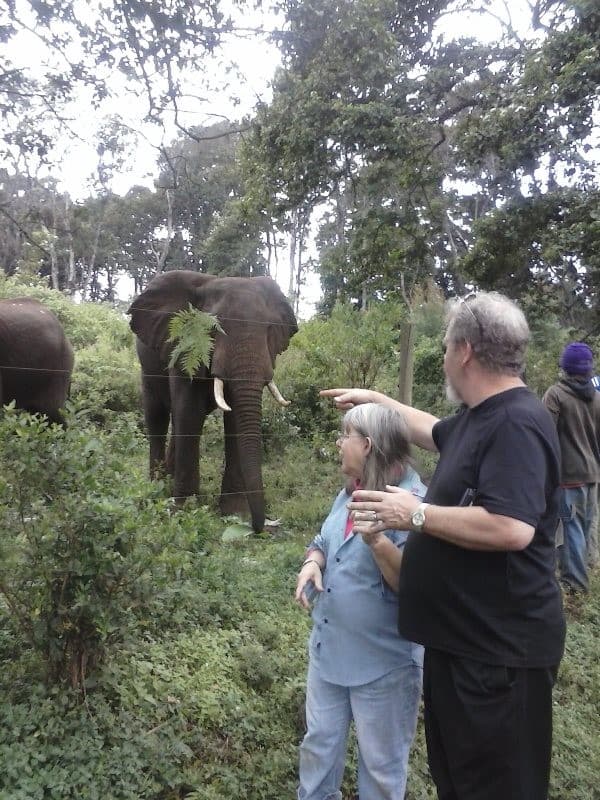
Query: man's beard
x=452 y=395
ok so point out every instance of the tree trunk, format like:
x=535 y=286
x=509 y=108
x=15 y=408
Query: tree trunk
x=292 y=262
x=161 y=254
x=70 y=284
x=52 y=237
x=405 y=374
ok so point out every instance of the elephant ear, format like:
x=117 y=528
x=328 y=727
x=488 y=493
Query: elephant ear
x=166 y=294
x=283 y=321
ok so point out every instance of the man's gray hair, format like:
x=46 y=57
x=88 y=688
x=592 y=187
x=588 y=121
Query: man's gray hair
x=494 y=326
x=390 y=444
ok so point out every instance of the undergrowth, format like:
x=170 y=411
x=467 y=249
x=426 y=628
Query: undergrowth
x=202 y=696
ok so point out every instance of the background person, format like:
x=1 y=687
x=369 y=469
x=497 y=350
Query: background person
x=575 y=407
x=477 y=585
x=593 y=550
x=359 y=667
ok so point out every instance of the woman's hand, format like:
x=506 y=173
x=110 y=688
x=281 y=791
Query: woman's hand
x=380 y=511
x=387 y=556
x=310 y=571
x=367 y=524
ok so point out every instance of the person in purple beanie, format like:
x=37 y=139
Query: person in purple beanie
x=575 y=407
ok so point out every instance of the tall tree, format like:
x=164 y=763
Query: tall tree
x=416 y=144
x=219 y=233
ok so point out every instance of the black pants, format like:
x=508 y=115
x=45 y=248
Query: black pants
x=488 y=728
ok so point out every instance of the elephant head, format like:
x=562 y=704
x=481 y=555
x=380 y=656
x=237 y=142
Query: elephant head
x=257 y=324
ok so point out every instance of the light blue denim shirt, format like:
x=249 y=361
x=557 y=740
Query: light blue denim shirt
x=355 y=637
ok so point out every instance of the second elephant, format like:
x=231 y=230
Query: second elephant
x=257 y=322
x=36 y=358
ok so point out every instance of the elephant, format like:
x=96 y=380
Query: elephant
x=36 y=358
x=257 y=323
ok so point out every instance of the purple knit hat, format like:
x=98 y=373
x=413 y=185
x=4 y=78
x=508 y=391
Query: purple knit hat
x=577 y=359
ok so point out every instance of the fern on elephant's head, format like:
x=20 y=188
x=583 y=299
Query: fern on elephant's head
x=190 y=331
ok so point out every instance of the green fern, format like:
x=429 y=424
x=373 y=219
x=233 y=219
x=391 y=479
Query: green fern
x=190 y=330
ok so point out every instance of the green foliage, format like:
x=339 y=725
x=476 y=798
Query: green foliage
x=191 y=330
x=106 y=380
x=350 y=348
x=201 y=692
x=433 y=157
x=55 y=748
x=83 y=552
x=301 y=482
x=84 y=323
x=538 y=245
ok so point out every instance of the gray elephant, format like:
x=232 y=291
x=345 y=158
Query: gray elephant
x=36 y=358
x=257 y=322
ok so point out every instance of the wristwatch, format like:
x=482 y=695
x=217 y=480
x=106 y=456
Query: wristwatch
x=417 y=518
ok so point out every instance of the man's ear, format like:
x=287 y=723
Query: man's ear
x=467 y=353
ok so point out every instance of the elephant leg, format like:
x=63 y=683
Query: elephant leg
x=233 y=486
x=56 y=416
x=156 y=417
x=189 y=407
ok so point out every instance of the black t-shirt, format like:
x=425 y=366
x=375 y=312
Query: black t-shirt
x=498 y=607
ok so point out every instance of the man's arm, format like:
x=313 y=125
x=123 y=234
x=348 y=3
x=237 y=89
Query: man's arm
x=550 y=400
x=471 y=527
x=420 y=423
x=474 y=528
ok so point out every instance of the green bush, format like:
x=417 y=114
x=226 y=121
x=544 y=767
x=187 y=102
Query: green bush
x=84 y=551
x=350 y=348
x=84 y=323
x=428 y=376
x=106 y=379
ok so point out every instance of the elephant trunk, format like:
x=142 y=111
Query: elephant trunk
x=243 y=470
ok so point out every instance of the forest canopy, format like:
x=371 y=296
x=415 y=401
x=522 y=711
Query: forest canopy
x=400 y=146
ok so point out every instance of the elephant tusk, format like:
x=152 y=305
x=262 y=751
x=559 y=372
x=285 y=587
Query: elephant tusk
x=277 y=394
x=219 y=396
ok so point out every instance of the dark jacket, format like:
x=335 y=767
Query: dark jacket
x=575 y=407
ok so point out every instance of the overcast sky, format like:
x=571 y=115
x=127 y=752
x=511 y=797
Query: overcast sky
x=256 y=59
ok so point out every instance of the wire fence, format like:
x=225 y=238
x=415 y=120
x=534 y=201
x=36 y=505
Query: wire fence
x=171 y=375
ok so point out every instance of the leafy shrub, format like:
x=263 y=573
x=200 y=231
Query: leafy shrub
x=84 y=323
x=55 y=748
x=84 y=551
x=351 y=348
x=428 y=375
x=105 y=380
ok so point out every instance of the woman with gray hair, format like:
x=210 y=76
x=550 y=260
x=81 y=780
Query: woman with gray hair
x=359 y=666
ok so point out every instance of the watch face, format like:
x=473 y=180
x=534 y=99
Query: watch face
x=418 y=518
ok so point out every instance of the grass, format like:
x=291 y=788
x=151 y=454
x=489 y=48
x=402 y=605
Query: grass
x=207 y=702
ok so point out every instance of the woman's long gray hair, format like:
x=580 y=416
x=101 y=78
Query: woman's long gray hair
x=390 y=445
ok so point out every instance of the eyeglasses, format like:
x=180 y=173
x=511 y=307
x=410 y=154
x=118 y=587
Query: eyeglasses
x=465 y=300
x=344 y=436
